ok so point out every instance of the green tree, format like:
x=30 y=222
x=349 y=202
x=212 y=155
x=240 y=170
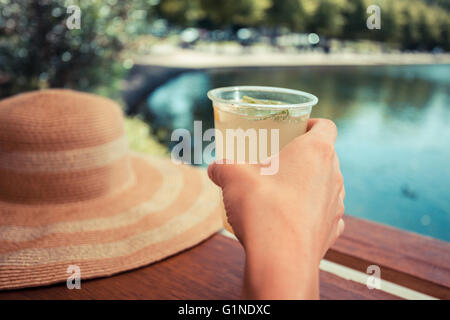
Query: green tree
x=427 y=40
x=444 y=33
x=327 y=19
x=225 y=13
x=355 y=16
x=409 y=33
x=441 y=3
x=38 y=50
x=287 y=13
x=180 y=12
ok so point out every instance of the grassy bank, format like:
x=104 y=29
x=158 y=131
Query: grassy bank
x=140 y=138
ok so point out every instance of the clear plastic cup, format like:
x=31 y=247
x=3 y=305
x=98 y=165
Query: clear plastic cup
x=257 y=107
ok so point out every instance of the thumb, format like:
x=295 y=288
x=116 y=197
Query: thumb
x=221 y=173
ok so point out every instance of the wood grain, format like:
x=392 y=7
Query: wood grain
x=211 y=270
x=405 y=258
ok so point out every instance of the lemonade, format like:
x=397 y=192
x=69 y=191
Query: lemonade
x=289 y=126
x=254 y=112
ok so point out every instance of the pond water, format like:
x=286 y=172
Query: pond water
x=393 y=123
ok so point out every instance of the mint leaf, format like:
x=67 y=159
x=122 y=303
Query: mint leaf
x=248 y=99
x=261 y=114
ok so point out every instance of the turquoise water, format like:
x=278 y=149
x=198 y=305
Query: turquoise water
x=394 y=132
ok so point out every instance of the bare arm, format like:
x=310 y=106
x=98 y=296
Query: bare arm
x=286 y=222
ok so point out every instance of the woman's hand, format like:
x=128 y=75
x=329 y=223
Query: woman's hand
x=287 y=221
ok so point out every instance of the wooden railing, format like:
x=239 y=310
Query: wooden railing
x=214 y=270
x=408 y=259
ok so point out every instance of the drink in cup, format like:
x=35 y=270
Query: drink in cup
x=247 y=112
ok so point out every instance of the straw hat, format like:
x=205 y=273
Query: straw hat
x=72 y=194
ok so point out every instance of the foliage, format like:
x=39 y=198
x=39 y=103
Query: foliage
x=408 y=24
x=38 y=50
x=327 y=19
x=185 y=13
x=287 y=13
x=355 y=16
x=224 y=13
x=214 y=13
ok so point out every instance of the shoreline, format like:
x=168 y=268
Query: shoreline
x=194 y=59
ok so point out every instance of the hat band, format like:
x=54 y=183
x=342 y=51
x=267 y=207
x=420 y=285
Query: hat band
x=64 y=161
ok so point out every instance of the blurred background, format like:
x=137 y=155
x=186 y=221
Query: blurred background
x=387 y=89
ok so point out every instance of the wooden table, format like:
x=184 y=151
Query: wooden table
x=213 y=270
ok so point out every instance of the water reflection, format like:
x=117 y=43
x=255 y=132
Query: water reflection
x=393 y=131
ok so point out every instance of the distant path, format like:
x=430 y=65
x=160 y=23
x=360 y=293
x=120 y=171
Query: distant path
x=197 y=59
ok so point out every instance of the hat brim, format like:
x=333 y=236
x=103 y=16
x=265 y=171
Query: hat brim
x=167 y=208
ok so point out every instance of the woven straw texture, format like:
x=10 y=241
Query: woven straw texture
x=71 y=193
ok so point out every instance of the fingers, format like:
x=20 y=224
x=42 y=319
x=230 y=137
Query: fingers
x=340 y=209
x=342 y=193
x=323 y=128
x=340 y=228
x=340 y=178
x=216 y=173
x=335 y=234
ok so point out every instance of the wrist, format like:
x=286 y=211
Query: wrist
x=284 y=274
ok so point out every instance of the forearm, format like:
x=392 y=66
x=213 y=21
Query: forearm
x=280 y=276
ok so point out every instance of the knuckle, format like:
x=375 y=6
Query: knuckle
x=342 y=228
x=330 y=123
x=340 y=212
x=324 y=148
x=340 y=180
